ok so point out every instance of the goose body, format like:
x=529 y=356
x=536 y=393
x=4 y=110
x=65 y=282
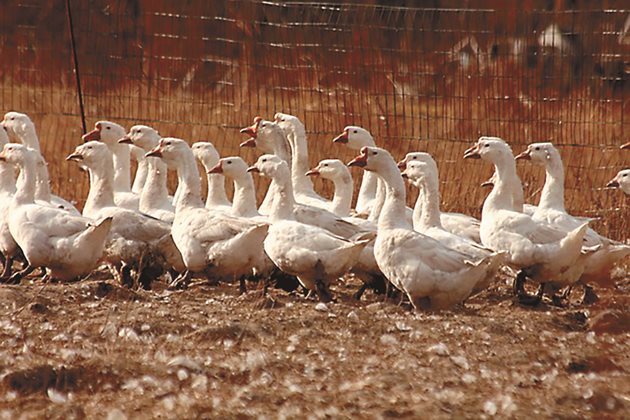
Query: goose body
x=68 y=246
x=142 y=170
x=432 y=275
x=135 y=240
x=544 y=253
x=551 y=210
x=210 y=242
x=109 y=133
x=313 y=254
x=422 y=172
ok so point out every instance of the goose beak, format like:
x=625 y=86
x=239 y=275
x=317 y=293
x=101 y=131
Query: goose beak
x=613 y=183
x=125 y=140
x=217 y=169
x=402 y=165
x=253 y=169
x=341 y=138
x=92 y=135
x=252 y=130
x=3 y=157
x=75 y=156
x=526 y=155
x=360 y=161
x=625 y=146
x=487 y=183
x=404 y=175
x=472 y=153
x=249 y=143
x=157 y=152
x=312 y=172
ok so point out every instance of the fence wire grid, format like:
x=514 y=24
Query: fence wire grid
x=419 y=78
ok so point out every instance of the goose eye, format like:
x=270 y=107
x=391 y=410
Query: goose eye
x=487 y=145
x=139 y=131
x=374 y=153
x=325 y=164
x=264 y=125
x=537 y=148
x=89 y=147
x=282 y=120
x=355 y=131
x=109 y=128
x=168 y=143
x=264 y=160
x=624 y=175
x=229 y=162
x=12 y=118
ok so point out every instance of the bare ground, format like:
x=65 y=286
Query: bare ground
x=93 y=349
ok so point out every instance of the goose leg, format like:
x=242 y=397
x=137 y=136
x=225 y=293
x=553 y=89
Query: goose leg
x=525 y=298
x=181 y=282
x=322 y=291
x=561 y=299
x=242 y=288
x=17 y=277
x=8 y=268
x=359 y=293
x=589 y=296
x=125 y=276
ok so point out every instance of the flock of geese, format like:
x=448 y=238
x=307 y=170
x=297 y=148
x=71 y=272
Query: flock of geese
x=435 y=259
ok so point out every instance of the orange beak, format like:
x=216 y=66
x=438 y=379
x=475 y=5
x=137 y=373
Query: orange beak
x=312 y=172
x=252 y=130
x=92 y=135
x=526 y=155
x=217 y=169
x=625 y=146
x=157 y=152
x=613 y=183
x=341 y=138
x=472 y=153
x=253 y=169
x=402 y=165
x=248 y=143
x=125 y=140
x=361 y=160
x=75 y=156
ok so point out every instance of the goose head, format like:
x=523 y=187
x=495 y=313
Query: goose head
x=621 y=181
x=18 y=154
x=355 y=137
x=414 y=172
x=17 y=124
x=91 y=155
x=105 y=131
x=265 y=135
x=374 y=159
x=416 y=156
x=4 y=137
x=206 y=153
x=170 y=150
x=539 y=153
x=288 y=122
x=490 y=149
x=142 y=136
x=332 y=169
x=232 y=167
x=270 y=166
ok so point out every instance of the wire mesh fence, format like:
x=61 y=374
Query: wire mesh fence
x=419 y=78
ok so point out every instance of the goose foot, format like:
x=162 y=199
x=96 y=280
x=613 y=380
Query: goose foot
x=17 y=277
x=589 y=296
x=359 y=293
x=181 y=282
x=523 y=297
x=322 y=292
x=561 y=299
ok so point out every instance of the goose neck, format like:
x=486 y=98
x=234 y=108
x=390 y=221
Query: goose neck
x=101 y=193
x=25 y=186
x=244 y=202
x=430 y=201
x=28 y=137
x=42 y=185
x=378 y=202
x=342 y=200
x=122 y=167
x=154 y=193
x=552 y=196
x=7 y=178
x=509 y=184
x=393 y=213
x=140 y=179
x=367 y=191
x=284 y=201
x=189 y=184
x=216 y=191
x=299 y=163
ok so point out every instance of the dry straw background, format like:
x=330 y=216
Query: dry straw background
x=420 y=75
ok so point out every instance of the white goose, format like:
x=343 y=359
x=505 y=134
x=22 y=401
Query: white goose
x=21 y=126
x=551 y=210
x=432 y=275
x=68 y=246
x=142 y=170
x=302 y=185
x=244 y=200
x=457 y=223
x=135 y=241
x=109 y=133
x=337 y=172
x=313 y=254
x=216 y=199
x=542 y=253
x=154 y=198
x=9 y=249
x=210 y=243
x=422 y=172
x=621 y=181
x=270 y=139
x=528 y=209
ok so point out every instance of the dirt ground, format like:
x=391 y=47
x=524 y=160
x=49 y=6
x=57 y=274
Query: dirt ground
x=93 y=349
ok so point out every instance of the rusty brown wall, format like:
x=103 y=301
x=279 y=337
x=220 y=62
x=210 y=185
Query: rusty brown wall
x=426 y=75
